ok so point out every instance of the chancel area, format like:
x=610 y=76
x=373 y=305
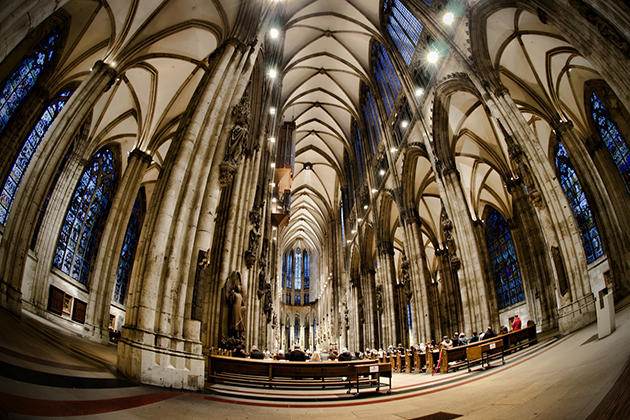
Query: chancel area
x=182 y=176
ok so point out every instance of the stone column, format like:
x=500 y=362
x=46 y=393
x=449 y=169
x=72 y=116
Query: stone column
x=160 y=344
x=106 y=269
x=474 y=296
x=34 y=187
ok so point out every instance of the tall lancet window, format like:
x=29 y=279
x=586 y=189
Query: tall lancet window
x=307 y=271
x=23 y=79
x=579 y=205
x=612 y=138
x=26 y=154
x=507 y=276
x=386 y=77
x=298 y=269
x=130 y=244
x=289 y=270
x=370 y=115
x=86 y=216
x=403 y=27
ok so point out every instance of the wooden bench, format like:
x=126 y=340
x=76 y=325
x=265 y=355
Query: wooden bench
x=373 y=374
x=281 y=373
x=512 y=341
x=484 y=352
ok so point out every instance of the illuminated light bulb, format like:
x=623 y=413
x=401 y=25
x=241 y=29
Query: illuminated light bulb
x=432 y=57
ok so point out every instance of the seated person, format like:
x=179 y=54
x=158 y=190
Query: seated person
x=297 y=355
x=345 y=355
x=489 y=334
x=463 y=340
x=474 y=338
x=239 y=352
x=446 y=342
x=256 y=354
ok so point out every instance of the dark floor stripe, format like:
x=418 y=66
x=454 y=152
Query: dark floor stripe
x=616 y=404
x=50 y=363
x=12 y=404
x=59 y=381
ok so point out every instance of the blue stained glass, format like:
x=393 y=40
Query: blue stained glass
x=403 y=27
x=288 y=298
x=579 y=205
x=307 y=270
x=507 y=276
x=130 y=244
x=297 y=299
x=386 y=77
x=88 y=221
x=307 y=300
x=24 y=78
x=612 y=138
x=298 y=269
x=358 y=152
x=372 y=120
x=290 y=270
x=27 y=152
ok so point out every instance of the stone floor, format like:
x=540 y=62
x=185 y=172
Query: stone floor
x=46 y=373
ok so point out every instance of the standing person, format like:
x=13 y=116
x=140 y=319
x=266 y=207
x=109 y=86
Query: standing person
x=516 y=325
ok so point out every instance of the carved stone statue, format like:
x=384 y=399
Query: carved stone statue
x=379 y=298
x=235 y=298
x=267 y=304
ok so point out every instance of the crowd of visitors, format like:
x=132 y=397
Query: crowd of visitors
x=298 y=355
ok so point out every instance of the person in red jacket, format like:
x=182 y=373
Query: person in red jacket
x=516 y=324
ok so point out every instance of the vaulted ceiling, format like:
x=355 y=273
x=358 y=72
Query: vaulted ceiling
x=326 y=56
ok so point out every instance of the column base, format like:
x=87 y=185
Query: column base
x=10 y=299
x=157 y=359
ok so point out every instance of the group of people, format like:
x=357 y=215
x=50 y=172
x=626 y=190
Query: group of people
x=298 y=355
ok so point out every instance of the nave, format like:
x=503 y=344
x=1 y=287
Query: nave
x=47 y=373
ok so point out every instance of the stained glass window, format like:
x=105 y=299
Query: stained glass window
x=42 y=210
x=88 y=210
x=507 y=277
x=409 y=319
x=370 y=114
x=307 y=271
x=289 y=270
x=130 y=244
x=24 y=78
x=297 y=299
x=284 y=268
x=386 y=77
x=579 y=205
x=613 y=139
x=403 y=27
x=358 y=152
x=307 y=299
x=288 y=298
x=26 y=154
x=298 y=269
x=296 y=331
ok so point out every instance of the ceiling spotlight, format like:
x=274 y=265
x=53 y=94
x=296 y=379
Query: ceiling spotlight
x=353 y=231
x=432 y=57
x=273 y=164
x=365 y=207
x=273 y=185
x=272 y=110
x=419 y=92
x=382 y=172
x=393 y=150
x=272 y=73
x=448 y=18
x=273 y=200
x=374 y=190
x=274 y=33
x=404 y=124
x=359 y=220
x=272 y=139
x=348 y=241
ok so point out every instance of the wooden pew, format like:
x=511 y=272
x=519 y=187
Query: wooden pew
x=280 y=373
x=484 y=352
x=373 y=373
